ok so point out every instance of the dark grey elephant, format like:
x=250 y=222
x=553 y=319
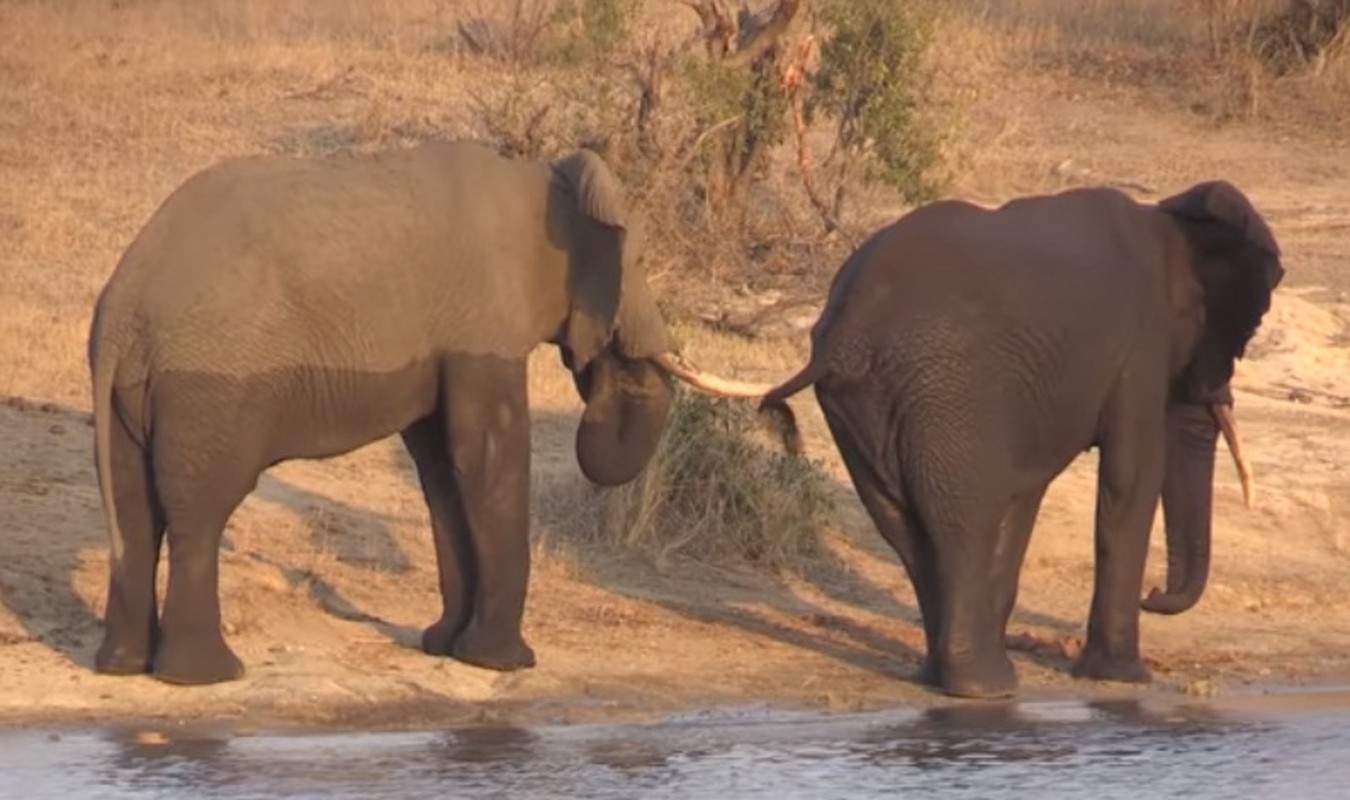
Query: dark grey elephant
x=965 y=356
x=276 y=308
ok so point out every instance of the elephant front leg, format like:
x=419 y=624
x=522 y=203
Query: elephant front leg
x=131 y=618
x=489 y=444
x=1128 y=485
x=428 y=445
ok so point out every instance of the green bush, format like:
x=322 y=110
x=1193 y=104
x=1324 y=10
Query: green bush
x=873 y=82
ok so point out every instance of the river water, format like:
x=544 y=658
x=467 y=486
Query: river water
x=1037 y=749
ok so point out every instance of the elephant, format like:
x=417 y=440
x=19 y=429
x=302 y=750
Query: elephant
x=276 y=308
x=966 y=355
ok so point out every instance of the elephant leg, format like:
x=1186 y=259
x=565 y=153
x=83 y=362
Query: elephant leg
x=200 y=483
x=972 y=659
x=131 y=621
x=907 y=540
x=427 y=444
x=488 y=428
x=896 y=527
x=1010 y=550
x=1129 y=481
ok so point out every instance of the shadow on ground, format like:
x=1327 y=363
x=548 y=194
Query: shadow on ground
x=52 y=518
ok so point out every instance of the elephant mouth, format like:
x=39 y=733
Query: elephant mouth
x=681 y=368
x=1223 y=414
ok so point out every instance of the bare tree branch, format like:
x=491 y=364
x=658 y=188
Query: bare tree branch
x=766 y=37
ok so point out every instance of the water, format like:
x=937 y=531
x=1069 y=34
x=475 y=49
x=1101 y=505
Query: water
x=1068 y=750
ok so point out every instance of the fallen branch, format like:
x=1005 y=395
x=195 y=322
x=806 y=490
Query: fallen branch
x=323 y=88
x=794 y=76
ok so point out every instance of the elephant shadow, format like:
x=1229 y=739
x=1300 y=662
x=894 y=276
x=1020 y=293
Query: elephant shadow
x=352 y=534
x=53 y=520
x=50 y=513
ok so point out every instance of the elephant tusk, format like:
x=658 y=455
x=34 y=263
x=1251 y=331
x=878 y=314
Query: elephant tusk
x=713 y=384
x=1223 y=413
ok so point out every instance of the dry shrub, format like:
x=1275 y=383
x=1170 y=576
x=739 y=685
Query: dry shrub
x=1265 y=54
x=713 y=132
x=1304 y=34
x=717 y=490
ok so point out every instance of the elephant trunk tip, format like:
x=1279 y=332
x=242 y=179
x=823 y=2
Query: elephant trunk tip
x=783 y=423
x=1172 y=602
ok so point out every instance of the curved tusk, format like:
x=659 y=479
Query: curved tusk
x=1223 y=413
x=713 y=384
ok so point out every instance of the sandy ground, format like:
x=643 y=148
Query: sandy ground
x=328 y=574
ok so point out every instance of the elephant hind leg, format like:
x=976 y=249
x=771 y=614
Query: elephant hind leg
x=131 y=617
x=971 y=652
x=1010 y=550
x=203 y=471
x=896 y=526
x=428 y=446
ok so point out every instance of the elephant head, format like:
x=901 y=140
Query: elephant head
x=1230 y=265
x=614 y=339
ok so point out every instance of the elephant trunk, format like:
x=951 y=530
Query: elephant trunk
x=628 y=401
x=1187 y=499
x=627 y=405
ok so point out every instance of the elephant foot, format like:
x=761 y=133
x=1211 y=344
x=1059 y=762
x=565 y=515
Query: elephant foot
x=439 y=639
x=194 y=662
x=499 y=651
x=989 y=678
x=929 y=672
x=119 y=659
x=1095 y=665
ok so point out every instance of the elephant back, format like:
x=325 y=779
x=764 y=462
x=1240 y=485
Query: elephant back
x=352 y=261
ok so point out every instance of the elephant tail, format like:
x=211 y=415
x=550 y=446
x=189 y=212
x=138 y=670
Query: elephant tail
x=104 y=362
x=773 y=408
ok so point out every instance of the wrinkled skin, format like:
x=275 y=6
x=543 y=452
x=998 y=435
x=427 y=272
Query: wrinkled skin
x=966 y=356
x=275 y=309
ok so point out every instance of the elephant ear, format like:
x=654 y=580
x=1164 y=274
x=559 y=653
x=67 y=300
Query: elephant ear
x=1236 y=260
x=641 y=331
x=598 y=240
x=1221 y=201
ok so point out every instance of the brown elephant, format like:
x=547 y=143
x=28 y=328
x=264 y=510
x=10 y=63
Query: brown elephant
x=277 y=308
x=965 y=356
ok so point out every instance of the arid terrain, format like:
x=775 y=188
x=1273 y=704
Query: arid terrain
x=328 y=573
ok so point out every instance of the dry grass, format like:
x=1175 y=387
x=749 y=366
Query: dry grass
x=717 y=491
